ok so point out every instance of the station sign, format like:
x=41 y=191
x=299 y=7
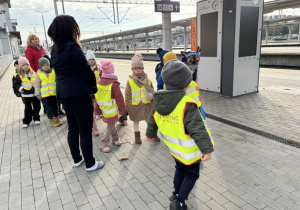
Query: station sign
x=167 y=6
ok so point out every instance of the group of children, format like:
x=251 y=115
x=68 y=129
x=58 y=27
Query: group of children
x=35 y=87
x=174 y=111
x=110 y=104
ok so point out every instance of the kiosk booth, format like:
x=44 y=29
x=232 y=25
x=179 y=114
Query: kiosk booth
x=229 y=34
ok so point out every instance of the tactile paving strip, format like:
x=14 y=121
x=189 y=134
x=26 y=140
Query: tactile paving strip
x=255 y=131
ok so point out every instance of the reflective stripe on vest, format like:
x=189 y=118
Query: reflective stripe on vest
x=15 y=75
x=194 y=93
x=108 y=106
x=48 y=83
x=96 y=72
x=180 y=144
x=138 y=94
x=28 y=84
x=208 y=131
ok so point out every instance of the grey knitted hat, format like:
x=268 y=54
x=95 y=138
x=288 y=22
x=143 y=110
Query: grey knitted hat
x=176 y=75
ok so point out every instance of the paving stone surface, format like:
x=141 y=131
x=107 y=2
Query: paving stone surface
x=247 y=171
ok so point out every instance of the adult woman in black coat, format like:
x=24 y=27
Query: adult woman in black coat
x=75 y=83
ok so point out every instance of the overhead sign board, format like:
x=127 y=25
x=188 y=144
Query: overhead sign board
x=167 y=6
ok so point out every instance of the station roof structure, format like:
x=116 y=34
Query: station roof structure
x=268 y=8
x=274 y=5
x=183 y=23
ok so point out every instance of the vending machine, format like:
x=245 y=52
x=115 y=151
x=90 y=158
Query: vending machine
x=229 y=34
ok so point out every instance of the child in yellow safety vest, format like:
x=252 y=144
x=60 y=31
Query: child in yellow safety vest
x=90 y=57
x=45 y=90
x=16 y=64
x=192 y=59
x=138 y=95
x=177 y=117
x=110 y=103
x=24 y=83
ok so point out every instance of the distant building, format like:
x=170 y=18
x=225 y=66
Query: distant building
x=10 y=38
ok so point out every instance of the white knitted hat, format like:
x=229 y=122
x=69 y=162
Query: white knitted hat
x=89 y=55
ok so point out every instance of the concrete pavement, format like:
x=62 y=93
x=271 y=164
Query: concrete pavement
x=247 y=171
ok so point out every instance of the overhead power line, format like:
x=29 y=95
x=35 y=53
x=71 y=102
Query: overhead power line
x=184 y=2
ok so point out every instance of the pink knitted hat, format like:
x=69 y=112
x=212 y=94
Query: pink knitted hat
x=107 y=67
x=22 y=61
x=137 y=61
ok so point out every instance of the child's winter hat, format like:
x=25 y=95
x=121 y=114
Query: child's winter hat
x=160 y=52
x=22 y=61
x=169 y=56
x=176 y=75
x=90 y=55
x=137 y=61
x=43 y=61
x=107 y=67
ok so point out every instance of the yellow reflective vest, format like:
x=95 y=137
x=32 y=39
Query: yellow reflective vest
x=194 y=92
x=15 y=75
x=97 y=73
x=108 y=106
x=28 y=83
x=138 y=94
x=172 y=130
x=48 y=83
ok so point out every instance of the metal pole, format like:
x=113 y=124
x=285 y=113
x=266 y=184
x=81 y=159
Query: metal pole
x=267 y=28
x=34 y=27
x=63 y=6
x=167 y=31
x=290 y=32
x=42 y=12
x=114 y=43
x=113 y=3
x=55 y=7
x=45 y=31
x=147 y=36
x=184 y=37
x=299 y=36
x=133 y=42
x=117 y=11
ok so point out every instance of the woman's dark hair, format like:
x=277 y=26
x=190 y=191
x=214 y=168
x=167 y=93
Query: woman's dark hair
x=63 y=28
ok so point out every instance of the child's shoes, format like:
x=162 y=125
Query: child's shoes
x=57 y=120
x=117 y=143
x=156 y=138
x=176 y=205
x=53 y=123
x=96 y=133
x=173 y=197
x=137 y=135
x=106 y=149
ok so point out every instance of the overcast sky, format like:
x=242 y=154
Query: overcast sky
x=137 y=16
